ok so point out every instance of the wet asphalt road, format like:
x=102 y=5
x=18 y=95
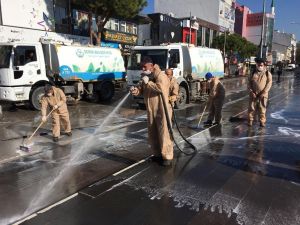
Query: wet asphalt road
x=239 y=174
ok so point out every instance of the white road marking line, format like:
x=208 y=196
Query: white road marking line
x=131 y=166
x=57 y=203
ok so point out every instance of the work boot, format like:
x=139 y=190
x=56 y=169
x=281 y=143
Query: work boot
x=207 y=123
x=250 y=123
x=167 y=162
x=262 y=124
x=55 y=139
x=69 y=134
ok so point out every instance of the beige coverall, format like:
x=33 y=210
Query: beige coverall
x=260 y=84
x=215 y=100
x=60 y=114
x=174 y=90
x=158 y=133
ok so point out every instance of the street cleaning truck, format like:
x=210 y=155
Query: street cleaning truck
x=80 y=71
x=189 y=64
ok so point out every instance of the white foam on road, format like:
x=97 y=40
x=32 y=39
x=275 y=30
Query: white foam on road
x=278 y=115
x=289 y=131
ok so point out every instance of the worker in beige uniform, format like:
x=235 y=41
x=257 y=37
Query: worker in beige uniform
x=215 y=100
x=259 y=85
x=55 y=98
x=154 y=82
x=174 y=87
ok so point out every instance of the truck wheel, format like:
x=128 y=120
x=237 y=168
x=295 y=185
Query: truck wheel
x=182 y=97
x=107 y=91
x=94 y=98
x=35 y=98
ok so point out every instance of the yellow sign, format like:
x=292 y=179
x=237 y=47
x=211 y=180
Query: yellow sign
x=120 y=37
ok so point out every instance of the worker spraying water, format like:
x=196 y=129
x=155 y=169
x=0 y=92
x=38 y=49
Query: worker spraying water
x=155 y=86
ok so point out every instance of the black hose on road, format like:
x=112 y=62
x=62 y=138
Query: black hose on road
x=171 y=129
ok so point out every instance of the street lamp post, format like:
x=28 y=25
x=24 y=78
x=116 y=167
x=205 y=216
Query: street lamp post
x=262 y=30
x=190 y=34
x=225 y=37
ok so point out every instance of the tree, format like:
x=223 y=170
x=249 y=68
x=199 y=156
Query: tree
x=235 y=43
x=106 y=9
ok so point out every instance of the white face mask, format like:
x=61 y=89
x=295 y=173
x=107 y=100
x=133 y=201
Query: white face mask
x=260 y=68
x=147 y=72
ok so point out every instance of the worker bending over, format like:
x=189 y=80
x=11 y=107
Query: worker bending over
x=174 y=87
x=154 y=83
x=55 y=98
x=215 y=100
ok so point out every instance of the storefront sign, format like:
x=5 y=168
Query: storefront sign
x=120 y=37
x=109 y=44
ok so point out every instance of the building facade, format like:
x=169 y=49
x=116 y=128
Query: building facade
x=249 y=25
x=284 y=47
x=227 y=15
x=209 y=17
x=63 y=17
x=202 y=9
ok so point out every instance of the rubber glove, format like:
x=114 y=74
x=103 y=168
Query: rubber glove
x=44 y=119
x=145 y=79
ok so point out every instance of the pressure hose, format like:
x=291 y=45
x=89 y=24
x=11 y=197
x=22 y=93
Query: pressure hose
x=171 y=130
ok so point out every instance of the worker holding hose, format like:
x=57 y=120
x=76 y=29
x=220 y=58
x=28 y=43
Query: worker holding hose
x=155 y=83
x=215 y=100
x=55 y=98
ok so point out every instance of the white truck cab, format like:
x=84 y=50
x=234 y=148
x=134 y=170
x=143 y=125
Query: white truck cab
x=21 y=66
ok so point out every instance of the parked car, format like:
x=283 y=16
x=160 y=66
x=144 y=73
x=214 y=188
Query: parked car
x=291 y=66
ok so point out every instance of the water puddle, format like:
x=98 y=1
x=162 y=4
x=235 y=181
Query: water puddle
x=76 y=157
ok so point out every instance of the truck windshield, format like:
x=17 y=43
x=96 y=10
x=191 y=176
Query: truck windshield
x=5 y=53
x=158 y=57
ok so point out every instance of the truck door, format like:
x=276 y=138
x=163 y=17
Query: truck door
x=26 y=67
x=174 y=62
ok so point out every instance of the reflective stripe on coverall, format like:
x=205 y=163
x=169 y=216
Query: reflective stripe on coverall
x=260 y=84
x=215 y=100
x=60 y=114
x=158 y=133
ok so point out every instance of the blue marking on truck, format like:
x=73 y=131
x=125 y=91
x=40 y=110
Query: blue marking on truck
x=67 y=74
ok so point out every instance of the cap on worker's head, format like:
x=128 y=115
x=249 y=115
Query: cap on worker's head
x=260 y=60
x=147 y=60
x=48 y=88
x=208 y=76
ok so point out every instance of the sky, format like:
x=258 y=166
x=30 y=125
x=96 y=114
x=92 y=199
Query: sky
x=287 y=11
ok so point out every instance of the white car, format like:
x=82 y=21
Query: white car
x=291 y=66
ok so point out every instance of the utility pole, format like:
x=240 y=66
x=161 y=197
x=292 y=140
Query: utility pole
x=190 y=34
x=262 y=30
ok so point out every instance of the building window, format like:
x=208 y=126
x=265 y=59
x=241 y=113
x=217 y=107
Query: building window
x=109 y=23
x=207 y=37
x=129 y=28
x=81 y=26
x=215 y=33
x=60 y=14
x=199 y=37
x=135 y=29
x=123 y=26
x=116 y=25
